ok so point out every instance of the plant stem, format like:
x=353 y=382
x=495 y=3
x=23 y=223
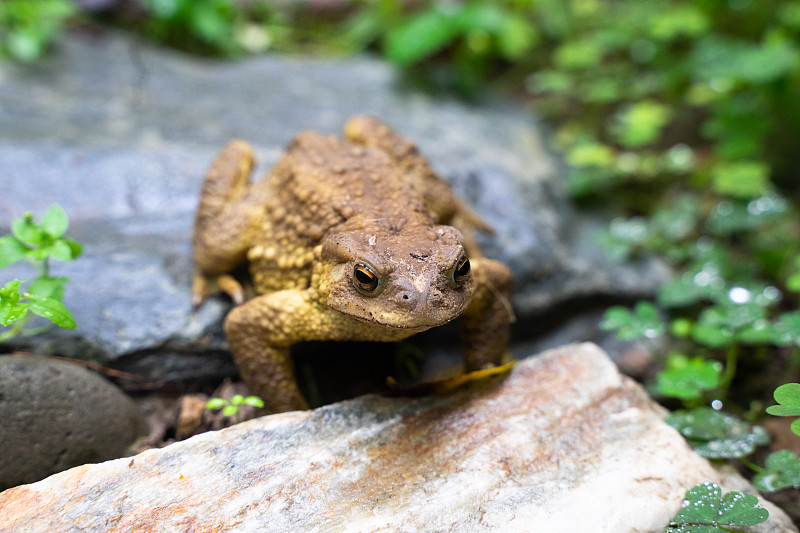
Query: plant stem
x=16 y=329
x=750 y=464
x=731 y=358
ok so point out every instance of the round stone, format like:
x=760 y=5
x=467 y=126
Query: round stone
x=56 y=415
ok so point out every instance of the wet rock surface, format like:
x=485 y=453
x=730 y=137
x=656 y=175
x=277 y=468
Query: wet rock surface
x=121 y=134
x=563 y=443
x=56 y=415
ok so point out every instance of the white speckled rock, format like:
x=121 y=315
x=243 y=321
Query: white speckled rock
x=564 y=443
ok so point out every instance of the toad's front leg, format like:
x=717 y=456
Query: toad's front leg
x=486 y=323
x=261 y=332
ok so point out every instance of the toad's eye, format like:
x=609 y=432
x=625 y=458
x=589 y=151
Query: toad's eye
x=364 y=278
x=461 y=272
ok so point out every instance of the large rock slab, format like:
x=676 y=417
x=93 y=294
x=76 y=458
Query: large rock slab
x=564 y=443
x=121 y=134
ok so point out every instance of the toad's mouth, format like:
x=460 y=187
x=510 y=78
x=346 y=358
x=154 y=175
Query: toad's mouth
x=415 y=326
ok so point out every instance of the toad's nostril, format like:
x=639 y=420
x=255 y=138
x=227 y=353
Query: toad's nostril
x=405 y=299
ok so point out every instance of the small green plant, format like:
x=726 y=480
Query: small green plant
x=37 y=244
x=707 y=510
x=198 y=25
x=687 y=378
x=28 y=27
x=782 y=470
x=788 y=398
x=717 y=435
x=231 y=408
x=643 y=321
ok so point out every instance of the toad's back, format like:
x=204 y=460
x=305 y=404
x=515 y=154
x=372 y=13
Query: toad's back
x=320 y=184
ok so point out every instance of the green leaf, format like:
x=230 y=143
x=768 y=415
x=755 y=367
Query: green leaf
x=216 y=403
x=254 y=401
x=578 y=54
x=729 y=322
x=716 y=435
x=25 y=44
x=644 y=321
x=11 y=250
x=741 y=179
x=711 y=331
x=687 y=378
x=55 y=221
x=11 y=309
x=209 y=22
x=59 y=250
x=641 y=123
x=683 y=291
x=782 y=471
x=11 y=312
x=421 y=36
x=732 y=216
x=230 y=410
x=792 y=280
x=48 y=287
x=547 y=81
x=788 y=398
x=10 y=291
x=590 y=154
x=681 y=20
x=52 y=310
x=722 y=58
x=760 y=331
x=27 y=231
x=624 y=237
x=75 y=247
x=516 y=37
x=237 y=399
x=739 y=509
x=706 y=510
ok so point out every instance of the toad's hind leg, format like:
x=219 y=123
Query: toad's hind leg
x=221 y=224
x=486 y=323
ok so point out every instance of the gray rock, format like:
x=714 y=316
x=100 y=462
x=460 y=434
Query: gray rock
x=57 y=415
x=564 y=443
x=121 y=134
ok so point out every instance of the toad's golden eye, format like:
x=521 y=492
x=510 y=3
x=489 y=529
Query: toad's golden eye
x=364 y=278
x=461 y=272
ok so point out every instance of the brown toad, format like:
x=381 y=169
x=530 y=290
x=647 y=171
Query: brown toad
x=345 y=240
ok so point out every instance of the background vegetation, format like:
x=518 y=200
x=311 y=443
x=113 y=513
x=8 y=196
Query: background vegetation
x=681 y=117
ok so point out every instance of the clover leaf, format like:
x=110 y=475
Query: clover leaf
x=715 y=435
x=786 y=330
x=782 y=471
x=788 y=398
x=644 y=321
x=725 y=323
x=687 y=378
x=706 y=510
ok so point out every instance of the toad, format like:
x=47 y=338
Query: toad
x=346 y=239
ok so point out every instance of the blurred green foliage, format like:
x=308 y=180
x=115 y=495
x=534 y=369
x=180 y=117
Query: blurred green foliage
x=27 y=27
